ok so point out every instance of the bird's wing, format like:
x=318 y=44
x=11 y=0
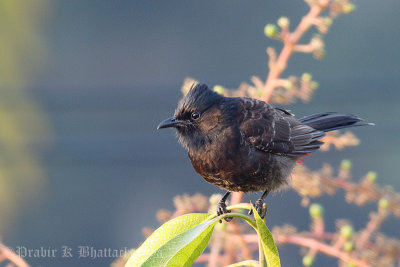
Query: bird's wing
x=275 y=130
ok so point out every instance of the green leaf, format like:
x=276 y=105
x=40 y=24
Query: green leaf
x=163 y=235
x=197 y=240
x=267 y=242
x=183 y=249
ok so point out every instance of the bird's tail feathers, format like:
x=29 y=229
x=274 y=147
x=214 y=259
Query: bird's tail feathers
x=330 y=121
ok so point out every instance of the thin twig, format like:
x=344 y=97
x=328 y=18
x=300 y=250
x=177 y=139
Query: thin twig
x=230 y=246
x=12 y=256
x=376 y=220
x=246 y=251
x=322 y=247
x=216 y=247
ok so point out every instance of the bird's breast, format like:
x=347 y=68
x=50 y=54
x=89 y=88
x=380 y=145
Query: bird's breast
x=240 y=168
x=217 y=155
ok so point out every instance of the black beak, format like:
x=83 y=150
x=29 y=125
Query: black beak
x=170 y=122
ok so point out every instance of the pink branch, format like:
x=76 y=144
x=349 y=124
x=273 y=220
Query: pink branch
x=277 y=67
x=313 y=244
x=373 y=225
x=319 y=246
x=10 y=255
x=215 y=250
x=241 y=241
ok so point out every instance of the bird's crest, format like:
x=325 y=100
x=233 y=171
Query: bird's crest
x=199 y=98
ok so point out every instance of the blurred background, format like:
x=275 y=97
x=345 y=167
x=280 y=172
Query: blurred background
x=84 y=84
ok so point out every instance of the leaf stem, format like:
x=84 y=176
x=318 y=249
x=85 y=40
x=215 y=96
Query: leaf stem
x=251 y=222
x=246 y=206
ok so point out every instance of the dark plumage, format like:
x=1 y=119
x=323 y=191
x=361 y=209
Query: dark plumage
x=244 y=144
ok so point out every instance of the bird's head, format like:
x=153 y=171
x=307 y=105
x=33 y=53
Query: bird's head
x=196 y=115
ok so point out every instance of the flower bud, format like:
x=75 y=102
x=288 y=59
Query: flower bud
x=316 y=210
x=383 y=203
x=346 y=231
x=328 y=21
x=345 y=164
x=283 y=22
x=218 y=89
x=314 y=85
x=260 y=92
x=270 y=30
x=371 y=176
x=317 y=42
x=308 y=260
x=348 y=8
x=348 y=246
x=306 y=77
x=288 y=85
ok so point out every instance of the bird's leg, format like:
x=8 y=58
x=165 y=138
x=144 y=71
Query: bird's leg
x=259 y=205
x=221 y=207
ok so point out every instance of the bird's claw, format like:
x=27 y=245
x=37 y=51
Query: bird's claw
x=259 y=207
x=221 y=209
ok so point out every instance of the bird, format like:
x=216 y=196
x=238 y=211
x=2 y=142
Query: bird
x=242 y=144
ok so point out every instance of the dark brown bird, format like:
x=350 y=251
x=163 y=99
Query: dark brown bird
x=244 y=144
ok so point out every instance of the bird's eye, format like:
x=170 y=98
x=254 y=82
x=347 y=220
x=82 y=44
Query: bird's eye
x=195 y=115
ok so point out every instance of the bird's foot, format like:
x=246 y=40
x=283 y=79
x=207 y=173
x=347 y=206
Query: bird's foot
x=259 y=206
x=221 y=209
